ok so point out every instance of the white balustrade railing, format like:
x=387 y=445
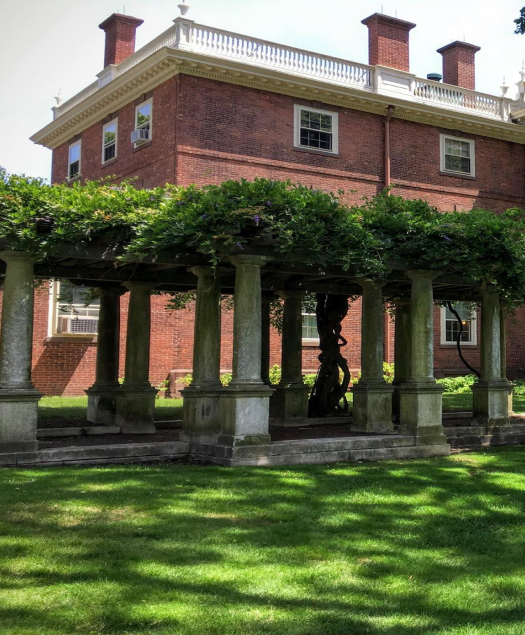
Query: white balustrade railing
x=186 y=35
x=456 y=97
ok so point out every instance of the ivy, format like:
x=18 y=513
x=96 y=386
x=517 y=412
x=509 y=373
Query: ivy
x=294 y=223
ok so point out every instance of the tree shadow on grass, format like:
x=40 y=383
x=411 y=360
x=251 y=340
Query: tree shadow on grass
x=398 y=548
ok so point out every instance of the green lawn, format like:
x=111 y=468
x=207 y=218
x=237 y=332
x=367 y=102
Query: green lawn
x=395 y=548
x=74 y=408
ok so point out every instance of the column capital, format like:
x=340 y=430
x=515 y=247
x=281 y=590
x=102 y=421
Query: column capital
x=489 y=290
x=364 y=282
x=17 y=256
x=137 y=286
x=425 y=274
x=110 y=291
x=248 y=259
x=290 y=293
x=204 y=270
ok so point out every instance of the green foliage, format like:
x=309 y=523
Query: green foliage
x=520 y=23
x=519 y=387
x=295 y=223
x=458 y=385
x=275 y=374
x=309 y=380
x=226 y=379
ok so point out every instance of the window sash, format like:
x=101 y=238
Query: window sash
x=315 y=129
x=73 y=167
x=109 y=141
x=72 y=318
x=450 y=326
x=309 y=327
x=457 y=155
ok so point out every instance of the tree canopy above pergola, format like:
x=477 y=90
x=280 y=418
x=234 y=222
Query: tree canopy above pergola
x=293 y=224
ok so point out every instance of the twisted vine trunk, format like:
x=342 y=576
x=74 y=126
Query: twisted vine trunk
x=458 y=341
x=329 y=391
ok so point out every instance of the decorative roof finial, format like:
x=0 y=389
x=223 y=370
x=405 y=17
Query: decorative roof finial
x=58 y=97
x=504 y=88
x=184 y=8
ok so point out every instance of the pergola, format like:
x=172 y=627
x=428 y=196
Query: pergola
x=238 y=415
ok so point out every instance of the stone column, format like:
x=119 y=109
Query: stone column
x=18 y=397
x=265 y=338
x=290 y=400
x=201 y=419
x=102 y=396
x=136 y=398
x=401 y=349
x=420 y=396
x=245 y=404
x=491 y=393
x=503 y=349
x=372 y=395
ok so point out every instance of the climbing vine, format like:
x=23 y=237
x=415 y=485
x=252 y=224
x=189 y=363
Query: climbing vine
x=294 y=223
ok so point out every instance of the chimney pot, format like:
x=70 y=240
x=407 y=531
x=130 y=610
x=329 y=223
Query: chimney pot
x=388 y=41
x=120 y=37
x=459 y=67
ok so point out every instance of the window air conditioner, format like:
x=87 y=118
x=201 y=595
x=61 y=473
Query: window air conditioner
x=139 y=135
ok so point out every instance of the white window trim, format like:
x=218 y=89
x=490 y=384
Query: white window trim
x=136 y=127
x=473 y=329
x=110 y=123
x=297 y=129
x=52 y=322
x=309 y=340
x=71 y=145
x=471 y=142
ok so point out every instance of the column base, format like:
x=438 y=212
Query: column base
x=245 y=411
x=289 y=401
x=135 y=410
x=491 y=402
x=372 y=410
x=18 y=419
x=102 y=404
x=201 y=419
x=421 y=412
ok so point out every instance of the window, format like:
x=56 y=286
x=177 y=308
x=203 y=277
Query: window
x=310 y=332
x=316 y=129
x=450 y=326
x=143 y=120
x=457 y=156
x=74 y=160
x=69 y=314
x=109 y=141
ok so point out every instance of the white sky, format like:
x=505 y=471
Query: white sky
x=50 y=44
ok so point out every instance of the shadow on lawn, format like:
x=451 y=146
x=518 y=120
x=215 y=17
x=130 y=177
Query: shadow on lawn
x=395 y=548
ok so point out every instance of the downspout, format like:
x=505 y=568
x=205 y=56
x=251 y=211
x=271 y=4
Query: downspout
x=388 y=117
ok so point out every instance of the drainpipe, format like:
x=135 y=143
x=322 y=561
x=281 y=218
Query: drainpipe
x=388 y=117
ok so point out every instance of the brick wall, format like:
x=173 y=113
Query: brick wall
x=206 y=131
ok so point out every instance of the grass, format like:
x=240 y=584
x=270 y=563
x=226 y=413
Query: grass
x=74 y=408
x=396 y=548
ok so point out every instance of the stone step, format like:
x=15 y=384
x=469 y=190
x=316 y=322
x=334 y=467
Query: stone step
x=42 y=433
x=111 y=453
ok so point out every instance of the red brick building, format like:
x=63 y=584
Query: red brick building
x=200 y=105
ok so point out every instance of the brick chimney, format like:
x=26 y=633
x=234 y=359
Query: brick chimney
x=388 y=41
x=459 y=67
x=120 y=37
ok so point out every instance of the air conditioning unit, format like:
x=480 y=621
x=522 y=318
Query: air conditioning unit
x=140 y=135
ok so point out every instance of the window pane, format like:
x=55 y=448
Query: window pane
x=74 y=153
x=73 y=316
x=110 y=134
x=310 y=327
x=143 y=115
x=109 y=152
x=457 y=164
x=74 y=169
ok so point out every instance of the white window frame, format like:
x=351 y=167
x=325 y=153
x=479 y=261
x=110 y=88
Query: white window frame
x=52 y=323
x=110 y=123
x=141 y=105
x=471 y=142
x=309 y=340
x=297 y=129
x=473 y=329
x=72 y=145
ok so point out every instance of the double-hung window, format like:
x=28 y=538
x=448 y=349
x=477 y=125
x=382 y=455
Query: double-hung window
x=450 y=326
x=316 y=129
x=457 y=156
x=109 y=141
x=310 y=332
x=143 y=122
x=73 y=170
x=69 y=312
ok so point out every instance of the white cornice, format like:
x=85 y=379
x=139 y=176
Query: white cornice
x=168 y=62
